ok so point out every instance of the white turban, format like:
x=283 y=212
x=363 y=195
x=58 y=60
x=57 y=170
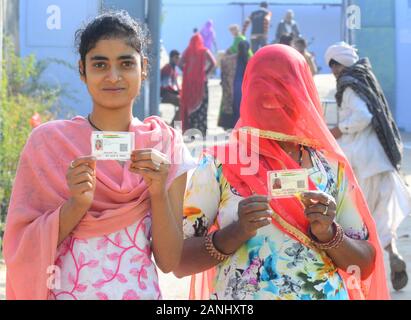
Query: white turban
x=343 y=53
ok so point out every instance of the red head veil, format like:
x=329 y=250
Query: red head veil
x=281 y=103
x=194 y=77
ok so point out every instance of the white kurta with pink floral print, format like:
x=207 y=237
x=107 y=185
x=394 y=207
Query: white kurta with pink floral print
x=113 y=267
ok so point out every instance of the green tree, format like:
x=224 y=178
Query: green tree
x=22 y=94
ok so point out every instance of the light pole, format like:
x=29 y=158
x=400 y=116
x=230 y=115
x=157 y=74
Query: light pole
x=154 y=24
x=1 y=38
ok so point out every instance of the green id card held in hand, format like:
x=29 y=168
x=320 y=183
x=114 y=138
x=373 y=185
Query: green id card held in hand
x=287 y=183
x=112 y=145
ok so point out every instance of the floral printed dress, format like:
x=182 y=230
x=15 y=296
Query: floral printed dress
x=113 y=267
x=271 y=265
x=118 y=266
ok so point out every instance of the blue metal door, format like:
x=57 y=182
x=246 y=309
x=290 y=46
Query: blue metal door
x=47 y=29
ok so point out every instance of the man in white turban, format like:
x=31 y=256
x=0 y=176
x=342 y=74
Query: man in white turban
x=370 y=138
x=342 y=53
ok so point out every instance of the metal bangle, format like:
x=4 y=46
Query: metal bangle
x=334 y=243
x=212 y=250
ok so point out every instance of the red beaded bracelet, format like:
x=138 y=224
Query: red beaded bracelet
x=334 y=243
x=212 y=250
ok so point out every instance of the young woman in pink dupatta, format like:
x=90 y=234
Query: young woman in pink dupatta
x=78 y=228
x=241 y=243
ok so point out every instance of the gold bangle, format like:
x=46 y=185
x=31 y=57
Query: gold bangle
x=334 y=243
x=212 y=250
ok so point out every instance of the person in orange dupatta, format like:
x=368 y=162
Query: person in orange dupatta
x=83 y=229
x=242 y=244
x=196 y=62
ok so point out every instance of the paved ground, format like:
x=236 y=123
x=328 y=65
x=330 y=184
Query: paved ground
x=2 y=281
x=174 y=288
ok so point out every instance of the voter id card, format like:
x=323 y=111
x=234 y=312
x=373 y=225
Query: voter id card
x=287 y=183
x=112 y=145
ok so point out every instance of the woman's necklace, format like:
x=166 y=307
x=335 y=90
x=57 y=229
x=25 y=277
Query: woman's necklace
x=92 y=124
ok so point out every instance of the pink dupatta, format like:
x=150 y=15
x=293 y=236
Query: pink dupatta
x=40 y=190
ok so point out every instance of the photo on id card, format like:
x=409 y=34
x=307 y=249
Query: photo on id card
x=287 y=183
x=112 y=145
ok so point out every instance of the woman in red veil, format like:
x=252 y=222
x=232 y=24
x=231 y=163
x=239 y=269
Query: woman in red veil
x=242 y=244
x=197 y=62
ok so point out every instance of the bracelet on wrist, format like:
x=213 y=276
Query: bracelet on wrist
x=334 y=243
x=212 y=250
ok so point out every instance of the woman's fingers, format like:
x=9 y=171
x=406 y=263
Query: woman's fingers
x=259 y=216
x=145 y=173
x=89 y=161
x=314 y=197
x=151 y=174
x=255 y=198
x=80 y=166
x=149 y=168
x=318 y=217
x=253 y=204
x=254 y=207
x=261 y=224
x=321 y=212
x=255 y=212
x=146 y=164
x=149 y=163
x=81 y=170
x=83 y=177
x=310 y=198
x=82 y=187
x=152 y=155
x=320 y=208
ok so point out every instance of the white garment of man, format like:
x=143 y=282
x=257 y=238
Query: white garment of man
x=359 y=141
x=382 y=186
